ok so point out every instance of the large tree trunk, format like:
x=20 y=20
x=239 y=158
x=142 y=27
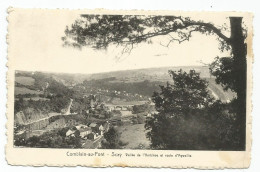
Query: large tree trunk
x=239 y=51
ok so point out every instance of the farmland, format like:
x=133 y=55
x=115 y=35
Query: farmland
x=134 y=135
x=23 y=90
x=36 y=99
x=25 y=80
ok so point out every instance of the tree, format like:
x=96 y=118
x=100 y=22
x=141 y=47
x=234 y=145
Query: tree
x=112 y=139
x=231 y=77
x=18 y=105
x=100 y=31
x=188 y=117
x=140 y=108
x=188 y=93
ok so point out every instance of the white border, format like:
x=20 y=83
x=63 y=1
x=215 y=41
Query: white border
x=187 y=5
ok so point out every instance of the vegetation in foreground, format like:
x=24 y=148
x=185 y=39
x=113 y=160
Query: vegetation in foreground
x=190 y=119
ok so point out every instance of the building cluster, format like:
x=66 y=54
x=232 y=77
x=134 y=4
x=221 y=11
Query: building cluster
x=98 y=109
x=121 y=95
x=119 y=107
x=91 y=131
x=95 y=107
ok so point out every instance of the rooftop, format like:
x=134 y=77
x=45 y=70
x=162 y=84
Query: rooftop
x=93 y=125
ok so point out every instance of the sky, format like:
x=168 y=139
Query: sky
x=37 y=46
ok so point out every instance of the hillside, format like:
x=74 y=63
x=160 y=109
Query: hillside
x=146 y=81
x=37 y=95
x=138 y=81
x=151 y=74
x=47 y=102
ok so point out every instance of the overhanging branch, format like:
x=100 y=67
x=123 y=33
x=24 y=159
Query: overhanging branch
x=211 y=27
x=135 y=30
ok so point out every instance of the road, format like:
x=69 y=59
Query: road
x=38 y=120
x=53 y=114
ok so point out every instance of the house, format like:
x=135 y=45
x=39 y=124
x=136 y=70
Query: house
x=81 y=126
x=92 y=125
x=84 y=132
x=118 y=108
x=92 y=136
x=70 y=133
x=149 y=115
x=111 y=108
x=97 y=128
x=124 y=109
x=100 y=129
x=154 y=112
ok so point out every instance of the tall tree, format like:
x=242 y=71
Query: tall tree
x=189 y=118
x=112 y=139
x=99 y=31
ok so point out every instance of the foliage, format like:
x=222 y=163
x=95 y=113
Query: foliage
x=189 y=118
x=58 y=95
x=139 y=119
x=46 y=83
x=187 y=93
x=231 y=73
x=54 y=105
x=142 y=108
x=101 y=30
x=222 y=69
x=53 y=139
x=112 y=139
x=80 y=104
x=122 y=143
x=116 y=112
x=144 y=88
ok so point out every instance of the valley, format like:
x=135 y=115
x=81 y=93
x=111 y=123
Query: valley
x=78 y=109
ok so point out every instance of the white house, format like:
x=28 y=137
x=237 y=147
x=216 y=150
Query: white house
x=84 y=132
x=81 y=126
x=70 y=133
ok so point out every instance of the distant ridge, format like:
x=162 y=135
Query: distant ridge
x=149 y=73
x=153 y=74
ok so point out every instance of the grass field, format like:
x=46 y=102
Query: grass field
x=35 y=99
x=134 y=135
x=25 y=80
x=23 y=90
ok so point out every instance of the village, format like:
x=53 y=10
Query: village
x=103 y=117
x=88 y=133
x=86 y=119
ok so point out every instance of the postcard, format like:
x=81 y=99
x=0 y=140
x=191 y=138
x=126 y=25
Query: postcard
x=105 y=88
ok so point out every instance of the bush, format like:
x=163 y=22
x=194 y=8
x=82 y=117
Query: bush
x=188 y=118
x=122 y=143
